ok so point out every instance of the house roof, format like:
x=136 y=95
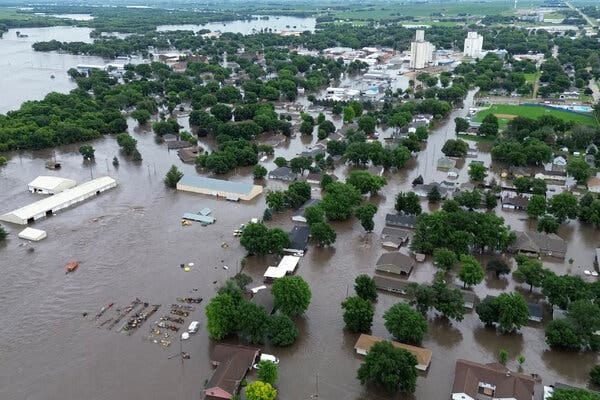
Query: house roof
x=188 y=154
x=365 y=342
x=52 y=183
x=282 y=173
x=299 y=237
x=536 y=242
x=468 y=375
x=178 y=144
x=401 y=220
x=265 y=299
x=535 y=310
x=219 y=185
x=233 y=363
x=395 y=235
x=446 y=163
x=390 y=284
x=593 y=182
x=517 y=201
x=395 y=263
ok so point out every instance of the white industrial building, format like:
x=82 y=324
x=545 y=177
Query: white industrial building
x=50 y=184
x=421 y=51
x=52 y=204
x=473 y=45
x=34 y=235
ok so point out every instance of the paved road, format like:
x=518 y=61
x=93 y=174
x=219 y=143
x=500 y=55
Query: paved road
x=595 y=91
x=588 y=19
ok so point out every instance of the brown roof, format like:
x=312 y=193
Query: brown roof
x=233 y=364
x=517 y=201
x=538 y=242
x=365 y=342
x=390 y=284
x=468 y=375
x=188 y=155
x=395 y=235
x=395 y=263
x=593 y=181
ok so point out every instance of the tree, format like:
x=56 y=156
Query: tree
x=560 y=334
x=455 y=148
x=221 y=112
x=513 y=312
x=136 y=155
x=252 y=322
x=173 y=176
x=313 y=214
x=434 y=195
x=547 y=224
x=471 y=200
x=365 y=214
x=260 y=240
x=260 y=391
x=461 y=125
x=282 y=331
x=421 y=297
x=221 y=316
x=87 y=152
x=487 y=310
x=300 y=164
x=141 y=116
x=408 y=203
x=573 y=394
x=536 y=207
x=405 y=324
x=502 y=356
x=499 y=267
x=339 y=201
x=471 y=272
x=449 y=302
x=595 y=375
x=259 y=172
x=579 y=169
x=276 y=200
x=477 y=172
x=292 y=295
x=365 y=182
x=563 y=206
x=358 y=314
x=444 y=258
x=349 y=115
x=489 y=126
x=392 y=368
x=280 y=162
x=323 y=233
x=367 y=124
x=365 y=287
x=3 y=233
x=531 y=272
x=267 y=372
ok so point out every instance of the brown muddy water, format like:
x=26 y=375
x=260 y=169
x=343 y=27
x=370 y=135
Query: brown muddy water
x=130 y=243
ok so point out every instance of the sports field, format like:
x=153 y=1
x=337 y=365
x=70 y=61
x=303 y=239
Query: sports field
x=506 y=112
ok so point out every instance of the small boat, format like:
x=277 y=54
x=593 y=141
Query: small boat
x=72 y=266
x=52 y=77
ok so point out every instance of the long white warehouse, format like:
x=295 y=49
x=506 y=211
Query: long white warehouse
x=52 y=204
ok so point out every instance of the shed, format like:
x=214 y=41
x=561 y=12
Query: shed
x=50 y=184
x=34 y=235
x=265 y=299
x=469 y=298
x=283 y=174
x=205 y=211
x=289 y=263
x=365 y=342
x=50 y=205
x=205 y=219
x=395 y=263
x=515 y=203
x=219 y=187
x=188 y=155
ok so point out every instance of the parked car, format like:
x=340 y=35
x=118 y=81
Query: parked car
x=267 y=357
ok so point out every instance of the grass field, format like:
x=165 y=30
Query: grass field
x=531 y=78
x=508 y=112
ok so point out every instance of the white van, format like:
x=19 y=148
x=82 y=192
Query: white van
x=193 y=328
x=267 y=357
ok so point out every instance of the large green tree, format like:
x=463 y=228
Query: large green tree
x=563 y=206
x=408 y=203
x=365 y=287
x=221 y=315
x=392 y=368
x=366 y=182
x=579 y=169
x=477 y=172
x=258 y=390
x=252 y=322
x=531 y=272
x=292 y=295
x=339 y=201
x=471 y=272
x=536 y=207
x=173 y=176
x=323 y=233
x=282 y=330
x=267 y=372
x=404 y=323
x=358 y=314
x=258 y=239
x=573 y=394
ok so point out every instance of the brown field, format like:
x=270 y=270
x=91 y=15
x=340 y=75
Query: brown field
x=506 y=116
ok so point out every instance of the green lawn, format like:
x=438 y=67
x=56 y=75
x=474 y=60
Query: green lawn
x=531 y=112
x=531 y=78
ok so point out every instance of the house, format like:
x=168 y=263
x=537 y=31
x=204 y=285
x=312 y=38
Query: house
x=188 y=155
x=539 y=244
x=520 y=172
x=424 y=190
x=233 y=363
x=518 y=203
x=423 y=356
x=422 y=119
x=178 y=144
x=593 y=184
x=401 y=220
x=299 y=216
x=395 y=263
x=552 y=176
x=218 y=187
x=490 y=381
x=469 y=298
x=390 y=284
x=314 y=178
x=445 y=163
x=169 y=137
x=283 y=174
x=316 y=150
x=559 y=164
x=298 y=240
x=394 y=237
x=265 y=299
x=536 y=313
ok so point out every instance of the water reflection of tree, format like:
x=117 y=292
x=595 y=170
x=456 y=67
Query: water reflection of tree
x=444 y=333
x=493 y=342
x=569 y=365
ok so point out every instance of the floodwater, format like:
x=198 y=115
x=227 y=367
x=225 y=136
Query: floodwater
x=247 y=27
x=130 y=242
